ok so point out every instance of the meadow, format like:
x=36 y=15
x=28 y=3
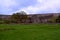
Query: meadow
x=29 y=31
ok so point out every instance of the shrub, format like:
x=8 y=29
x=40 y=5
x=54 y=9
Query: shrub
x=7 y=21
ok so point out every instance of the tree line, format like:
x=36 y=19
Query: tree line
x=19 y=17
x=22 y=17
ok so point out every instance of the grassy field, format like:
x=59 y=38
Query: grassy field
x=29 y=31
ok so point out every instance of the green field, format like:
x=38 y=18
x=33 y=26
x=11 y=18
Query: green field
x=29 y=31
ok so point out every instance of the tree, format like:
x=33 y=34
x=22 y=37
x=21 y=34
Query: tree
x=52 y=19
x=58 y=19
x=20 y=17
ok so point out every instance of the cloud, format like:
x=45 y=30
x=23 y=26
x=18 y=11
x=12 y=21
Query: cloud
x=5 y=6
x=43 y=6
x=10 y=6
x=29 y=6
x=7 y=3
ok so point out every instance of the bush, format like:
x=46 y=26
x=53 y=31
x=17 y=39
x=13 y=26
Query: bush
x=1 y=22
x=7 y=21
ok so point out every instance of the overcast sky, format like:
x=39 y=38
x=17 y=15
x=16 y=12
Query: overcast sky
x=29 y=6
